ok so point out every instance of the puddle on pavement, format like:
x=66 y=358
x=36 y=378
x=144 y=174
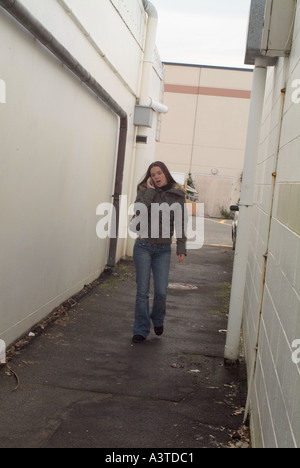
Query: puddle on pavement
x=182 y=287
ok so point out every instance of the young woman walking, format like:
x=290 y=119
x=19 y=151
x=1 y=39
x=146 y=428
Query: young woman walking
x=152 y=250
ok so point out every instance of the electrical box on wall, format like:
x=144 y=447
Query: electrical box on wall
x=278 y=28
x=143 y=116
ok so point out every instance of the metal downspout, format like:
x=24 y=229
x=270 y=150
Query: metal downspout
x=246 y=214
x=29 y=22
x=144 y=99
x=118 y=191
x=150 y=44
x=143 y=158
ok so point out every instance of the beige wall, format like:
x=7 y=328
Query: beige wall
x=58 y=150
x=206 y=129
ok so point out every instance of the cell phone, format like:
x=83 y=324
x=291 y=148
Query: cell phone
x=151 y=182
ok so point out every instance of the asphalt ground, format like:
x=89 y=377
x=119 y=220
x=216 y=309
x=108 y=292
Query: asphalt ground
x=83 y=384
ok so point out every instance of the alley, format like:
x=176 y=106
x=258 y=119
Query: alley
x=83 y=383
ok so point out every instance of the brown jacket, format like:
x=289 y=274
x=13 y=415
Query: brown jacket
x=162 y=221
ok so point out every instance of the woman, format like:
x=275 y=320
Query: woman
x=152 y=250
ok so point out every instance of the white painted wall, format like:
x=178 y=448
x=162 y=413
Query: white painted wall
x=58 y=148
x=275 y=401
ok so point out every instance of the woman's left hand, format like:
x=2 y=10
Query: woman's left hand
x=181 y=258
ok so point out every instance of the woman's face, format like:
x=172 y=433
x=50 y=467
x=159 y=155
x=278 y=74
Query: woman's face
x=158 y=177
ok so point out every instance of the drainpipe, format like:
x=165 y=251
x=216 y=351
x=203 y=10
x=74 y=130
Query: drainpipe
x=145 y=103
x=145 y=99
x=118 y=191
x=246 y=214
x=29 y=22
x=151 y=11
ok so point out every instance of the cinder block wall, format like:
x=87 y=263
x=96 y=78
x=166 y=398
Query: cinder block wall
x=275 y=395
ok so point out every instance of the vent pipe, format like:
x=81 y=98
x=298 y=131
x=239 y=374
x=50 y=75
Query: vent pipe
x=146 y=107
x=150 y=43
x=149 y=53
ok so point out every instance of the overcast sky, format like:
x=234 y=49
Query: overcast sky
x=203 y=32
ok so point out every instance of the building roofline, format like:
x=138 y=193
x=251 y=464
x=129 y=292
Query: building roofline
x=208 y=66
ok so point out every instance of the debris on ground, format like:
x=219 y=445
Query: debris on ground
x=241 y=439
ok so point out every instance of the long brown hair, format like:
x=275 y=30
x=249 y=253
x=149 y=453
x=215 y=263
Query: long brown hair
x=163 y=167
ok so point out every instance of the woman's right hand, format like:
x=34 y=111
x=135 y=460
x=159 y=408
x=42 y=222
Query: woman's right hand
x=149 y=184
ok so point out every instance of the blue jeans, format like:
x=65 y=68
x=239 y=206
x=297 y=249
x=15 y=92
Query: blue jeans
x=157 y=258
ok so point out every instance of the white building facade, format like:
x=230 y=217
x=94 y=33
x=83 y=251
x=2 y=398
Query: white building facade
x=204 y=133
x=71 y=75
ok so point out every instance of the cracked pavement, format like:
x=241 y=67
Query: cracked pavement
x=84 y=385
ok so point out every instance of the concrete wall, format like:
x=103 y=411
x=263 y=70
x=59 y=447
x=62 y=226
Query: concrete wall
x=58 y=149
x=205 y=130
x=275 y=401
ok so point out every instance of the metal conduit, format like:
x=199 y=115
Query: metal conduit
x=29 y=22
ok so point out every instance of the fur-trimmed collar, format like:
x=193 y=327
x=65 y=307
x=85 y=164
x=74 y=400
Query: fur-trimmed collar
x=176 y=189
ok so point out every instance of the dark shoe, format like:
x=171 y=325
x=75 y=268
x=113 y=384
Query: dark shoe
x=138 y=339
x=159 y=331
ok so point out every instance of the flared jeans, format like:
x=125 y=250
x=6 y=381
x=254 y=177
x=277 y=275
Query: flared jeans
x=149 y=258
